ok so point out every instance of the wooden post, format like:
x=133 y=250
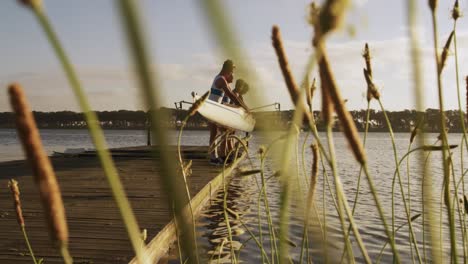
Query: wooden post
x=148 y=130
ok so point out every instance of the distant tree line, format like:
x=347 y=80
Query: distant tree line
x=402 y=121
x=121 y=119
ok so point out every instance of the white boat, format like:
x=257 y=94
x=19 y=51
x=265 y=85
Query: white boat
x=232 y=117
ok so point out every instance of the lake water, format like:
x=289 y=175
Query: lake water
x=244 y=198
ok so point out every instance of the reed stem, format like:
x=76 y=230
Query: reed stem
x=443 y=132
x=147 y=80
x=226 y=215
x=427 y=206
x=462 y=122
x=187 y=191
x=273 y=244
x=67 y=259
x=338 y=190
x=96 y=135
x=407 y=211
x=28 y=244
x=358 y=186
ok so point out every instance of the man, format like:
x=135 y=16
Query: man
x=220 y=89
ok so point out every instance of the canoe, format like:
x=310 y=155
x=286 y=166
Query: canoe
x=232 y=117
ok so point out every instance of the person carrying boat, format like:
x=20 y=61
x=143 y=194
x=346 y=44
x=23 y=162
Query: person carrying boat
x=219 y=90
x=240 y=89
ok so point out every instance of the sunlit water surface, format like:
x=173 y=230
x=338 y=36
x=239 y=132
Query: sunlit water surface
x=244 y=195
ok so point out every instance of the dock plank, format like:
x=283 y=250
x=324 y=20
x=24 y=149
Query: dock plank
x=97 y=233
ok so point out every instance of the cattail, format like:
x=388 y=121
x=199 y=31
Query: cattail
x=13 y=185
x=315 y=167
x=288 y=77
x=313 y=88
x=367 y=57
x=372 y=91
x=417 y=129
x=437 y=148
x=331 y=16
x=314 y=12
x=195 y=106
x=283 y=62
x=36 y=4
x=42 y=169
x=249 y=172
x=310 y=93
x=188 y=168
x=261 y=150
x=327 y=105
x=445 y=52
x=313 y=19
x=306 y=86
x=433 y=5
x=349 y=127
x=456 y=12
x=414 y=132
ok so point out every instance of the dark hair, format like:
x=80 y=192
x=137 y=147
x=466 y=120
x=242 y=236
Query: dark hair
x=241 y=86
x=228 y=65
x=245 y=89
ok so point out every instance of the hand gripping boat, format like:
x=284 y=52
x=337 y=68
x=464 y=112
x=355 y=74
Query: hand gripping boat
x=232 y=117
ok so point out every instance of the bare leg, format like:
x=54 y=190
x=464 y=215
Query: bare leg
x=213 y=134
x=222 y=147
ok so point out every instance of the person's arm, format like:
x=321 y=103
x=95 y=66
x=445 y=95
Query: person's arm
x=223 y=84
x=237 y=100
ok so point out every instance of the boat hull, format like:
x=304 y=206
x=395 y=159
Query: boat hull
x=232 y=117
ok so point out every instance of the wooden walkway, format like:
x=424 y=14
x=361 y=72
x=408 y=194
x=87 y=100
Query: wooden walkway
x=97 y=234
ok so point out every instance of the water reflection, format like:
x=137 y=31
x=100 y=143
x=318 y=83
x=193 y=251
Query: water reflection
x=245 y=199
x=215 y=241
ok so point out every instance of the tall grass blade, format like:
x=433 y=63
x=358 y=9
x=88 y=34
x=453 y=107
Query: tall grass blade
x=147 y=79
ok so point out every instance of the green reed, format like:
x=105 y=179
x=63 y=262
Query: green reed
x=14 y=188
x=339 y=191
x=147 y=81
x=95 y=131
x=285 y=180
x=330 y=90
x=427 y=206
x=407 y=210
x=225 y=206
x=241 y=144
x=273 y=245
x=182 y=165
x=458 y=207
x=456 y=14
x=358 y=185
x=329 y=18
x=259 y=243
x=408 y=183
x=310 y=201
x=443 y=132
x=398 y=228
x=409 y=218
x=280 y=254
x=373 y=93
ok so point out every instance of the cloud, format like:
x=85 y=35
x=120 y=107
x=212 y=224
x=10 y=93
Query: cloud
x=359 y=3
x=112 y=87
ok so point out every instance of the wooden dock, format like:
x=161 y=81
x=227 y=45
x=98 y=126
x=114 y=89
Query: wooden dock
x=97 y=233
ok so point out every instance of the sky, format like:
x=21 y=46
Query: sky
x=185 y=55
